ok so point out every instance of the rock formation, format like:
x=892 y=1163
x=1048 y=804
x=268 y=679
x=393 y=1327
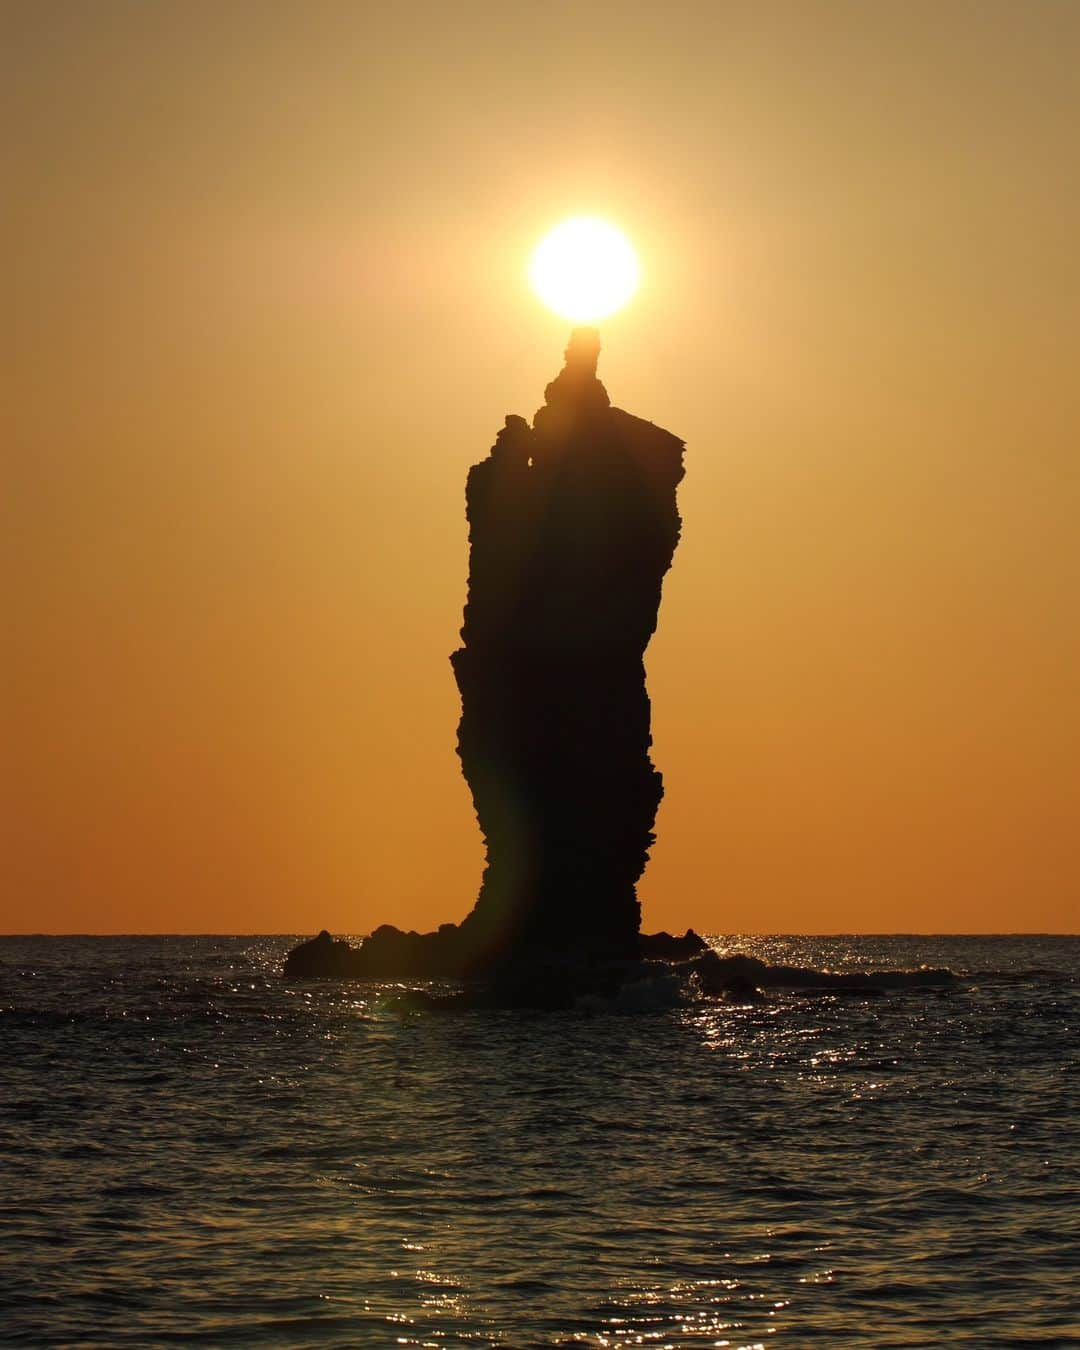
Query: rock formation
x=572 y=525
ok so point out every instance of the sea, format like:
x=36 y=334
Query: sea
x=193 y=1151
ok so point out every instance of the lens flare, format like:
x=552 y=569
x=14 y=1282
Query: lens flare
x=584 y=269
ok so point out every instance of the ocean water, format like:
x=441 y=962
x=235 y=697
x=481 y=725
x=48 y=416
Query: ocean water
x=193 y=1151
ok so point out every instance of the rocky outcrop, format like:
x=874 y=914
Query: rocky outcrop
x=738 y=974
x=322 y=959
x=572 y=525
x=674 y=970
x=447 y=954
x=665 y=947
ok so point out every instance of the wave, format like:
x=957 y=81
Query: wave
x=721 y=974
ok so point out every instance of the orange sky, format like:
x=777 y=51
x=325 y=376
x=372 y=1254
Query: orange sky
x=267 y=271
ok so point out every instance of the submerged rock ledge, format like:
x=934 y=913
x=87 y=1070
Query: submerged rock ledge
x=668 y=969
x=448 y=953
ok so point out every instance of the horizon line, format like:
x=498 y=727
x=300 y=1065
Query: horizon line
x=1016 y=932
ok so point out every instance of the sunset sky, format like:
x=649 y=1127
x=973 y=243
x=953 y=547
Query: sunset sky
x=267 y=302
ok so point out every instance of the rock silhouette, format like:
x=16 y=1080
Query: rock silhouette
x=573 y=524
x=668 y=971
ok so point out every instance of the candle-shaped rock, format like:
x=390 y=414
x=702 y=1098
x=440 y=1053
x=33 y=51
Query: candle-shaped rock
x=573 y=524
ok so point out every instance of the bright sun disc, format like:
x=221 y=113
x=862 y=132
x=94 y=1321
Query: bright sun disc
x=585 y=269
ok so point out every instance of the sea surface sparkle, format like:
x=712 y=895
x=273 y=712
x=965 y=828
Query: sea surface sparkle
x=192 y=1150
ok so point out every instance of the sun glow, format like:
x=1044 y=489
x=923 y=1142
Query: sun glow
x=584 y=269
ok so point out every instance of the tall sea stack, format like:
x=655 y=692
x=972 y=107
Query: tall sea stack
x=572 y=525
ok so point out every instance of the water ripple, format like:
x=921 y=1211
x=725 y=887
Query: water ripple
x=195 y=1152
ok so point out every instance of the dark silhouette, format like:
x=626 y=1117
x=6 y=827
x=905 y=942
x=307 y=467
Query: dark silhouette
x=668 y=967
x=572 y=525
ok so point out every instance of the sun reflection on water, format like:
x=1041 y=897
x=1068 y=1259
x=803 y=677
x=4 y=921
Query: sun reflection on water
x=253 y=1158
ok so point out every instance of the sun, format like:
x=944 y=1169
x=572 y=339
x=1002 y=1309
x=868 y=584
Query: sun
x=584 y=269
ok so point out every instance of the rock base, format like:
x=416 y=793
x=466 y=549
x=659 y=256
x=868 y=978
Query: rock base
x=667 y=971
x=448 y=953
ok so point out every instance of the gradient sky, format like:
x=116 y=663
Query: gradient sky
x=265 y=265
